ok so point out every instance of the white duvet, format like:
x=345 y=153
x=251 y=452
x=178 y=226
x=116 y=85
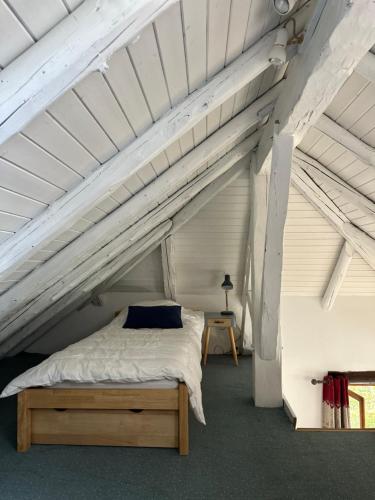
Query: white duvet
x=115 y=354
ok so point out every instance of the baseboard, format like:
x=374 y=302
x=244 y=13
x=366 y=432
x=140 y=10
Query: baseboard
x=290 y=414
x=320 y=429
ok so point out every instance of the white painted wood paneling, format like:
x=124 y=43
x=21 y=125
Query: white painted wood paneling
x=26 y=154
x=11 y=222
x=71 y=113
x=38 y=17
x=19 y=205
x=194 y=16
x=129 y=96
x=218 y=12
x=11 y=29
x=169 y=35
x=146 y=277
x=54 y=138
x=22 y=182
x=213 y=242
x=98 y=98
x=145 y=57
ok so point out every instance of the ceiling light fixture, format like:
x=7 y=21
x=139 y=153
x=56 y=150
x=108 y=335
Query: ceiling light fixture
x=278 y=55
x=283 y=7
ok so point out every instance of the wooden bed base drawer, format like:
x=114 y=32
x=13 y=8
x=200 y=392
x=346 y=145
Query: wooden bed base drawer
x=105 y=427
x=120 y=417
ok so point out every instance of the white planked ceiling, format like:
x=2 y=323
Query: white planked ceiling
x=185 y=46
x=213 y=243
x=353 y=109
x=24 y=22
x=84 y=128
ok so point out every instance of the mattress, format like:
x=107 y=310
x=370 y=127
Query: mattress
x=150 y=384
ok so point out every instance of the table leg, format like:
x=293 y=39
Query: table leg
x=206 y=342
x=233 y=344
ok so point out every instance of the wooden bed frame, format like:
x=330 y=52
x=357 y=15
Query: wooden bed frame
x=104 y=417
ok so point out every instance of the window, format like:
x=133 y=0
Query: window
x=362 y=400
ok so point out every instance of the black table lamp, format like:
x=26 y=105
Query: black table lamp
x=226 y=286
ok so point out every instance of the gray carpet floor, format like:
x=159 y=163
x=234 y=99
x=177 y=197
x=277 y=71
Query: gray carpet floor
x=243 y=453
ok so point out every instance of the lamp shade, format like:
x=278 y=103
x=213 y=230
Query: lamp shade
x=282 y=7
x=277 y=55
x=227 y=284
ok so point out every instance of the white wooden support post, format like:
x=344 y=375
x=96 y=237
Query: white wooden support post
x=338 y=276
x=278 y=195
x=246 y=277
x=258 y=220
x=169 y=270
x=266 y=375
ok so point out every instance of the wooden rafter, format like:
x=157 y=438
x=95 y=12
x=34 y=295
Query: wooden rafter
x=338 y=276
x=114 y=270
x=361 y=242
x=317 y=72
x=364 y=152
x=77 y=274
x=125 y=215
x=320 y=173
x=80 y=44
x=64 y=212
x=81 y=293
x=168 y=266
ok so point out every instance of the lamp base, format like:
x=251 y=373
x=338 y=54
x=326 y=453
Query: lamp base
x=227 y=313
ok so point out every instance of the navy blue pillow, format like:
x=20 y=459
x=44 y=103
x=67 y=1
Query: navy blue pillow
x=153 y=317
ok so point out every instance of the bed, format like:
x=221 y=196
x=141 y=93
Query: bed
x=118 y=387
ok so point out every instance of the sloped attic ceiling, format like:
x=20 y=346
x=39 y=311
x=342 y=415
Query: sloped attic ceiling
x=110 y=111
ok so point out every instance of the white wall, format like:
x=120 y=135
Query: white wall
x=315 y=341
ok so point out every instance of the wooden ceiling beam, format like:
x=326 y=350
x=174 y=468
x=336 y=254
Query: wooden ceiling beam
x=68 y=209
x=364 y=152
x=125 y=215
x=77 y=271
x=361 y=242
x=168 y=267
x=42 y=323
x=320 y=173
x=338 y=276
x=80 y=44
x=318 y=71
x=112 y=271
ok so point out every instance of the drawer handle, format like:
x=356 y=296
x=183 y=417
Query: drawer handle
x=136 y=410
x=219 y=321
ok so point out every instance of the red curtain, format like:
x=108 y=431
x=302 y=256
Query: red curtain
x=336 y=402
